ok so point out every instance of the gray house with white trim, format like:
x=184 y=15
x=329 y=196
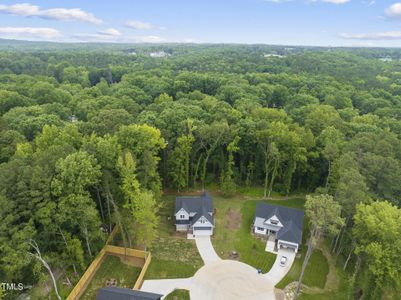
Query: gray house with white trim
x=195 y=214
x=282 y=226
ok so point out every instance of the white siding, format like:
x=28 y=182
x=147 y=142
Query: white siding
x=260 y=230
x=183 y=213
x=273 y=227
x=202 y=222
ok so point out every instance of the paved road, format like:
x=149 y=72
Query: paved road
x=225 y=279
x=206 y=250
x=229 y=279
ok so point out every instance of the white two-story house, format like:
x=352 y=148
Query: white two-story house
x=282 y=226
x=195 y=214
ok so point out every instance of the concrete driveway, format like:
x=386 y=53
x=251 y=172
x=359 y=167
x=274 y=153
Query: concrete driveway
x=225 y=279
x=229 y=279
x=277 y=272
x=206 y=250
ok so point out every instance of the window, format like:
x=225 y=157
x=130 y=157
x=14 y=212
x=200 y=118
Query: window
x=203 y=221
x=261 y=229
x=182 y=216
x=274 y=222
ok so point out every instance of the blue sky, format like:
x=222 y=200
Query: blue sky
x=288 y=22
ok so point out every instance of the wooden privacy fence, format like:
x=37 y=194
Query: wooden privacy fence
x=83 y=282
x=109 y=249
x=139 y=281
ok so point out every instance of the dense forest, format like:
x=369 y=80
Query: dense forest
x=90 y=136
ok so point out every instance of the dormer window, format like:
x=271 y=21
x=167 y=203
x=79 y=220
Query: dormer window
x=274 y=222
x=203 y=221
x=182 y=216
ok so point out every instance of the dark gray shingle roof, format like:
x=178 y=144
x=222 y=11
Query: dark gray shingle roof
x=291 y=218
x=112 y=293
x=200 y=205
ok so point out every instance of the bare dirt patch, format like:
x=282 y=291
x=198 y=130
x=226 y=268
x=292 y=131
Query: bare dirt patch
x=233 y=219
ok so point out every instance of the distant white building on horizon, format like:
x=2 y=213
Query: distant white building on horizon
x=386 y=59
x=159 y=54
x=274 y=55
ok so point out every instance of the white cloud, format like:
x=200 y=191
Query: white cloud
x=389 y=35
x=139 y=25
x=110 y=32
x=394 y=11
x=43 y=33
x=62 y=14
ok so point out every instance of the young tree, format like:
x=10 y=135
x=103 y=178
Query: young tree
x=141 y=204
x=179 y=158
x=144 y=142
x=377 y=232
x=79 y=211
x=211 y=137
x=325 y=218
x=350 y=189
x=145 y=214
x=228 y=186
x=73 y=254
x=331 y=140
x=75 y=173
x=270 y=157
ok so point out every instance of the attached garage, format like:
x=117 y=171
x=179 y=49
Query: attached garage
x=202 y=230
x=288 y=245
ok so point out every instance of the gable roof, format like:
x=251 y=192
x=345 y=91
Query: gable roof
x=200 y=205
x=112 y=293
x=291 y=218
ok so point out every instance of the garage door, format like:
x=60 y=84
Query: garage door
x=202 y=230
x=287 y=246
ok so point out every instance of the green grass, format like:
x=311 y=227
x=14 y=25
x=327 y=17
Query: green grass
x=228 y=238
x=173 y=256
x=252 y=191
x=340 y=294
x=111 y=267
x=159 y=269
x=178 y=295
x=315 y=273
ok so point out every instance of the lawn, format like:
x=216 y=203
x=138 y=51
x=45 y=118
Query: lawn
x=111 y=267
x=233 y=220
x=341 y=293
x=315 y=273
x=178 y=295
x=173 y=256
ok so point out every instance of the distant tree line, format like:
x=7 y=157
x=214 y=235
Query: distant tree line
x=90 y=137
